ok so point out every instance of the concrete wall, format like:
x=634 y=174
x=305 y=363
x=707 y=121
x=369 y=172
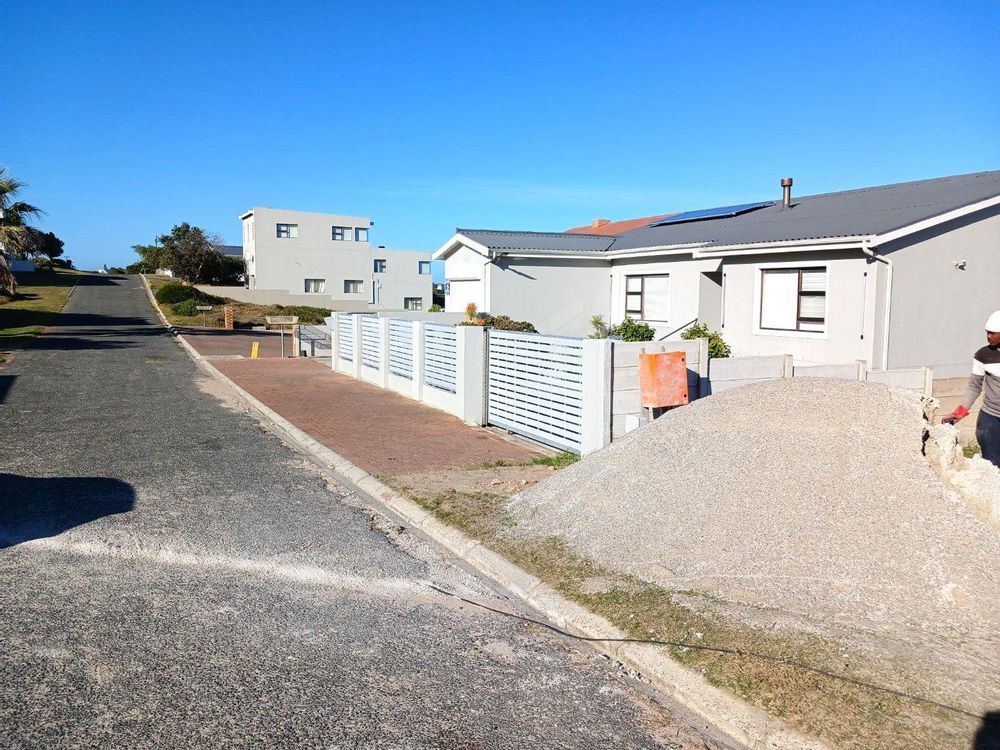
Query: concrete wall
x=850 y=315
x=558 y=296
x=402 y=278
x=938 y=311
x=626 y=405
x=277 y=297
x=685 y=285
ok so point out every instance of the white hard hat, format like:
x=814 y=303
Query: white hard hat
x=993 y=322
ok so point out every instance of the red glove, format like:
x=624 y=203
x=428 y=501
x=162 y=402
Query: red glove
x=956 y=415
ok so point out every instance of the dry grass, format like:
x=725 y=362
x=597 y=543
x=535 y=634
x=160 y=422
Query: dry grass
x=837 y=711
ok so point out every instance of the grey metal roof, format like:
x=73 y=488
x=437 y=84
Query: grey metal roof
x=542 y=241
x=873 y=210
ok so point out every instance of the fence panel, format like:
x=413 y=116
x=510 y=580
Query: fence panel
x=371 y=341
x=535 y=387
x=441 y=357
x=345 y=337
x=401 y=348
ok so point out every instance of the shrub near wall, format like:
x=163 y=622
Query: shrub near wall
x=170 y=294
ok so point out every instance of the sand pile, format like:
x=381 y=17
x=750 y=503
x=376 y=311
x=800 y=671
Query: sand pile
x=806 y=500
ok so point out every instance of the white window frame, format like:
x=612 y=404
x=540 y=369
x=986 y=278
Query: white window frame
x=344 y=232
x=758 y=286
x=361 y=234
x=321 y=285
x=407 y=301
x=291 y=231
x=348 y=284
x=639 y=315
x=379 y=265
x=420 y=266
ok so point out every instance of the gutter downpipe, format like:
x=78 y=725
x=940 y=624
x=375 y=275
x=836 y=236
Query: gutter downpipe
x=867 y=250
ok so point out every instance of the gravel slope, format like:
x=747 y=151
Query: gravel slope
x=807 y=499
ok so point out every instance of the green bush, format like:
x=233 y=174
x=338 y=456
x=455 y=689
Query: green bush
x=717 y=348
x=307 y=315
x=500 y=322
x=435 y=308
x=43 y=264
x=187 y=307
x=169 y=294
x=632 y=330
x=600 y=327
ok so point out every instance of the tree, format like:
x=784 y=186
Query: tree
x=192 y=255
x=47 y=244
x=15 y=235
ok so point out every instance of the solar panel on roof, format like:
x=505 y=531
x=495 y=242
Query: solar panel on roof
x=711 y=213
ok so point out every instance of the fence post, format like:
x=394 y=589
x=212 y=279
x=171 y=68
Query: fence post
x=356 y=345
x=334 y=324
x=788 y=366
x=862 y=370
x=383 y=355
x=596 y=410
x=418 y=360
x=470 y=372
x=928 y=381
x=702 y=369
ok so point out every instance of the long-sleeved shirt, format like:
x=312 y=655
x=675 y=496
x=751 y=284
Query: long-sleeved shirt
x=985 y=379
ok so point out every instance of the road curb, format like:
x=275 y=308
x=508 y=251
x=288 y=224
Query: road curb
x=745 y=724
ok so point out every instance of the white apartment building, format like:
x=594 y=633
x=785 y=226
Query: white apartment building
x=330 y=256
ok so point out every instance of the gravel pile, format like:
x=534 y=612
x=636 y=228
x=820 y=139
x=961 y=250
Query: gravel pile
x=810 y=498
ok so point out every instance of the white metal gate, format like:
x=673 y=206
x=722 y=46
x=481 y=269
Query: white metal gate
x=535 y=387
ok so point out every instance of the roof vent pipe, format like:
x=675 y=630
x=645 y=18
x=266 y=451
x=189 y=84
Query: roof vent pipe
x=786 y=192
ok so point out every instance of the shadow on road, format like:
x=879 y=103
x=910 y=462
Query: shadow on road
x=6 y=381
x=40 y=507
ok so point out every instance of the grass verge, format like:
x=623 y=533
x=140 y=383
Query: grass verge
x=245 y=314
x=40 y=298
x=557 y=460
x=839 y=712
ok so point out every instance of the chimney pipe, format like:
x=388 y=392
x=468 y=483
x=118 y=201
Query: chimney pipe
x=786 y=192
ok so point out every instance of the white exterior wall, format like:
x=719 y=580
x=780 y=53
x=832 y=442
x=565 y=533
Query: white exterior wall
x=402 y=278
x=850 y=312
x=558 y=296
x=685 y=285
x=938 y=311
x=465 y=273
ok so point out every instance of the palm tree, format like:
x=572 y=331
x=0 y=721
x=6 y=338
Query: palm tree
x=15 y=235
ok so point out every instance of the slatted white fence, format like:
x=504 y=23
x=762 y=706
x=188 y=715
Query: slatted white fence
x=371 y=341
x=441 y=357
x=401 y=348
x=345 y=337
x=535 y=387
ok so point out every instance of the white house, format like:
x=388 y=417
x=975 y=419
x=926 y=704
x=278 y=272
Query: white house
x=897 y=275
x=330 y=256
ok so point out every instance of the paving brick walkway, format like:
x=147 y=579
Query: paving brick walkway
x=380 y=431
x=219 y=342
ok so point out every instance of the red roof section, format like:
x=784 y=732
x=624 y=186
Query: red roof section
x=615 y=227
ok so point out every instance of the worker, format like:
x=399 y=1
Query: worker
x=985 y=379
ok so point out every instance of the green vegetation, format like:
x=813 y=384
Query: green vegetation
x=558 y=460
x=187 y=308
x=435 y=308
x=170 y=294
x=972 y=449
x=760 y=664
x=627 y=330
x=717 y=348
x=191 y=254
x=36 y=305
x=500 y=322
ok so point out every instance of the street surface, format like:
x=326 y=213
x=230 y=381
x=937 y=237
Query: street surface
x=173 y=576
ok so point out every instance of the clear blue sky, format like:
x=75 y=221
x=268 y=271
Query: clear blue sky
x=128 y=117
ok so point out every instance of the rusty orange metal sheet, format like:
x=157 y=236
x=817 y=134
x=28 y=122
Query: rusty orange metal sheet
x=663 y=379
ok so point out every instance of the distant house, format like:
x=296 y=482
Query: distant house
x=300 y=252
x=897 y=275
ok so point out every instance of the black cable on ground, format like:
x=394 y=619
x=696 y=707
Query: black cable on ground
x=715 y=649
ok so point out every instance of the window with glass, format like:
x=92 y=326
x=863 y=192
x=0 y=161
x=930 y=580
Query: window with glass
x=793 y=299
x=413 y=303
x=424 y=267
x=360 y=234
x=287 y=231
x=315 y=286
x=354 y=286
x=380 y=265
x=341 y=233
x=647 y=297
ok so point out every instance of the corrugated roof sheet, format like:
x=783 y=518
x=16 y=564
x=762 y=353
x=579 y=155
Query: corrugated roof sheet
x=873 y=210
x=545 y=241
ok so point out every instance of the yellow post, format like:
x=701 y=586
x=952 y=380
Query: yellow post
x=254 y=349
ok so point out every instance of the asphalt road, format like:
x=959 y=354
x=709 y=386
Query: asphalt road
x=173 y=576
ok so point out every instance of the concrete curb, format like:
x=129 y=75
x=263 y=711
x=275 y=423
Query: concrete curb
x=745 y=724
